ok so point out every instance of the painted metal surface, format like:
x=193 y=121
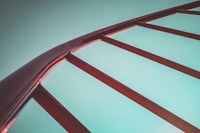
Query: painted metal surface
x=153 y=57
x=168 y=30
x=58 y=112
x=189 y=12
x=17 y=89
x=128 y=92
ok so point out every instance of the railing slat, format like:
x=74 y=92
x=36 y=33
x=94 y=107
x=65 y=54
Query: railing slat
x=58 y=112
x=169 y=30
x=153 y=57
x=188 y=12
x=133 y=95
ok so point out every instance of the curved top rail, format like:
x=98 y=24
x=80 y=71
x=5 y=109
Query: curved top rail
x=16 y=89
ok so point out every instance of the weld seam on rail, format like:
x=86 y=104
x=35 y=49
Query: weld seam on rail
x=133 y=95
x=169 y=30
x=58 y=112
x=153 y=57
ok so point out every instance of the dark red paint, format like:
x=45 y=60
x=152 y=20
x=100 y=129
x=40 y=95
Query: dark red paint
x=17 y=89
x=133 y=95
x=169 y=30
x=58 y=112
x=153 y=57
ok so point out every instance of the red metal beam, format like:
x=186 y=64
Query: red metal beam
x=133 y=95
x=147 y=18
x=17 y=87
x=153 y=57
x=169 y=30
x=188 y=12
x=58 y=112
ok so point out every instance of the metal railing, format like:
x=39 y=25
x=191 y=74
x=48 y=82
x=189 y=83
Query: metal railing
x=25 y=83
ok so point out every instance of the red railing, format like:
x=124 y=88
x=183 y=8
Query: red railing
x=24 y=84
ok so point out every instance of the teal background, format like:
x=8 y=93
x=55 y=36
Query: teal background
x=29 y=28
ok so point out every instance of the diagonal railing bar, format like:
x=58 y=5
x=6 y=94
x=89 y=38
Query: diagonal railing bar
x=184 y=11
x=149 y=17
x=133 y=95
x=58 y=112
x=169 y=30
x=153 y=57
